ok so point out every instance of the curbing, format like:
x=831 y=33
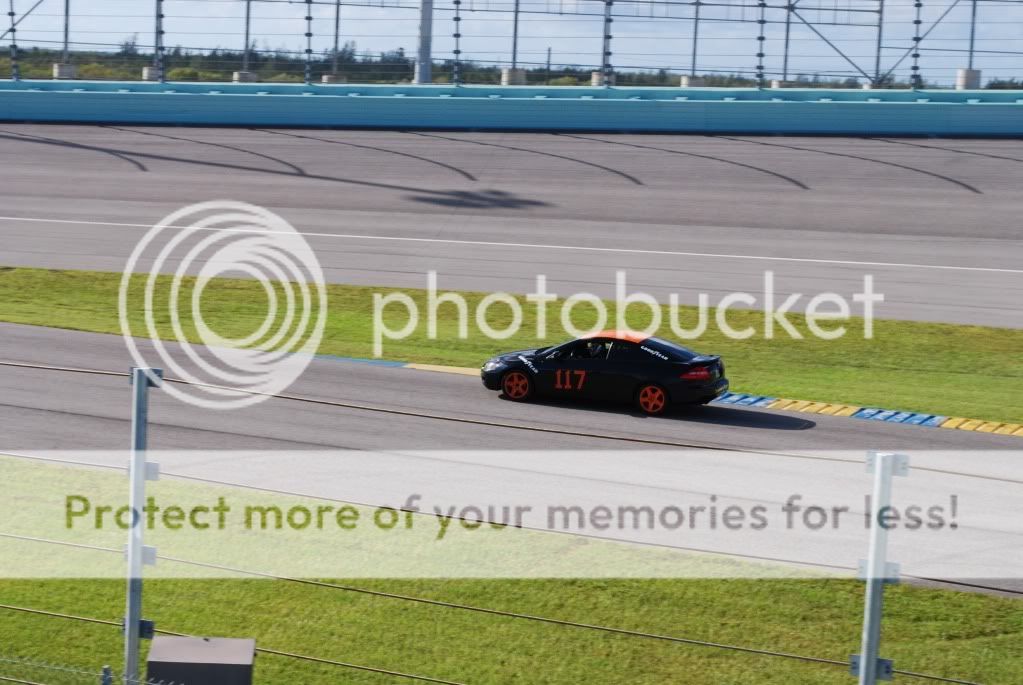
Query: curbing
x=783 y=404
x=875 y=414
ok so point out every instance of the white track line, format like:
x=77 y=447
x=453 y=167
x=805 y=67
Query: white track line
x=579 y=248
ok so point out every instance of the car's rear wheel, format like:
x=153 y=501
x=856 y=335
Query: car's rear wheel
x=652 y=400
x=517 y=386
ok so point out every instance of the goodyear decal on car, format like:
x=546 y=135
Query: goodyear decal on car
x=528 y=363
x=653 y=352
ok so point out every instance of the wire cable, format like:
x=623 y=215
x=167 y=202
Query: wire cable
x=262 y=650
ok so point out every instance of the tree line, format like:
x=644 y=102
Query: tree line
x=393 y=66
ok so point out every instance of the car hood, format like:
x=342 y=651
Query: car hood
x=512 y=356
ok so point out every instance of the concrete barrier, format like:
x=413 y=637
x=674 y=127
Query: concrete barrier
x=699 y=110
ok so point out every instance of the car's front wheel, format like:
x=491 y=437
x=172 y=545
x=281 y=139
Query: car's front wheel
x=517 y=386
x=652 y=400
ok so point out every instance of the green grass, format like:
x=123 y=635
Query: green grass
x=953 y=370
x=939 y=632
x=936 y=632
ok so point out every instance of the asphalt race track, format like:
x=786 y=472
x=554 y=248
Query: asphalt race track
x=95 y=408
x=936 y=222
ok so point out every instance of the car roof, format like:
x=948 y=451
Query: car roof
x=626 y=336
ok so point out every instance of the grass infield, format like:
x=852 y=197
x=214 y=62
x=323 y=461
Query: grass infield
x=966 y=636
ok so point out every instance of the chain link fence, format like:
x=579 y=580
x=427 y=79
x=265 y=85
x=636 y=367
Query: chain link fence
x=26 y=671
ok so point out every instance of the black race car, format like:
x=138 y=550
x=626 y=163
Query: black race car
x=620 y=367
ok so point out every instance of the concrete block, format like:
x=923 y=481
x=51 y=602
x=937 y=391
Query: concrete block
x=968 y=79
x=513 y=77
x=65 y=71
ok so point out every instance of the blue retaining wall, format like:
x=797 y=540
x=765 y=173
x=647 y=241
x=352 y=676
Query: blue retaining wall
x=695 y=110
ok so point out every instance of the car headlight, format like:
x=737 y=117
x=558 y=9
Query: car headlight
x=493 y=365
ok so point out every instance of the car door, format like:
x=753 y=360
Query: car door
x=574 y=370
x=628 y=365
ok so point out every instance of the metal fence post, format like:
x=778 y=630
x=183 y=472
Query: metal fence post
x=788 y=41
x=515 y=36
x=606 y=70
x=337 y=37
x=916 y=78
x=308 y=41
x=456 y=68
x=876 y=570
x=424 y=57
x=761 y=38
x=973 y=31
x=139 y=470
x=158 y=43
x=880 y=44
x=66 y=59
x=108 y=676
x=696 y=37
x=15 y=71
x=248 y=27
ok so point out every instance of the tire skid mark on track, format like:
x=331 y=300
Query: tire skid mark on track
x=775 y=174
x=616 y=172
x=461 y=172
x=832 y=153
x=452 y=195
x=117 y=154
x=296 y=169
x=938 y=148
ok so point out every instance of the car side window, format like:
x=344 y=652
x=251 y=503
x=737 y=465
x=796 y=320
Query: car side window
x=587 y=349
x=622 y=351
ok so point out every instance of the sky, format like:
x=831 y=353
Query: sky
x=646 y=36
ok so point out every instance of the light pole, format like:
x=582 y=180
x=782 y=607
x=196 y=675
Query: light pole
x=337 y=37
x=423 y=73
x=515 y=36
x=66 y=59
x=248 y=27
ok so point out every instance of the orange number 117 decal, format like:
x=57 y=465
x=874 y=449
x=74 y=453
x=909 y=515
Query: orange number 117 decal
x=563 y=379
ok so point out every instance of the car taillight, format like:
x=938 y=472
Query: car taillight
x=700 y=373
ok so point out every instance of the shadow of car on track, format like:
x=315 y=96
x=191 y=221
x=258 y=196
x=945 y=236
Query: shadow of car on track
x=479 y=199
x=709 y=414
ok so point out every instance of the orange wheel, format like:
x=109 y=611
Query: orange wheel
x=516 y=386
x=652 y=399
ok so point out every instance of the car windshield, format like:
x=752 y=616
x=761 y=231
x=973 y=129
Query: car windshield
x=673 y=350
